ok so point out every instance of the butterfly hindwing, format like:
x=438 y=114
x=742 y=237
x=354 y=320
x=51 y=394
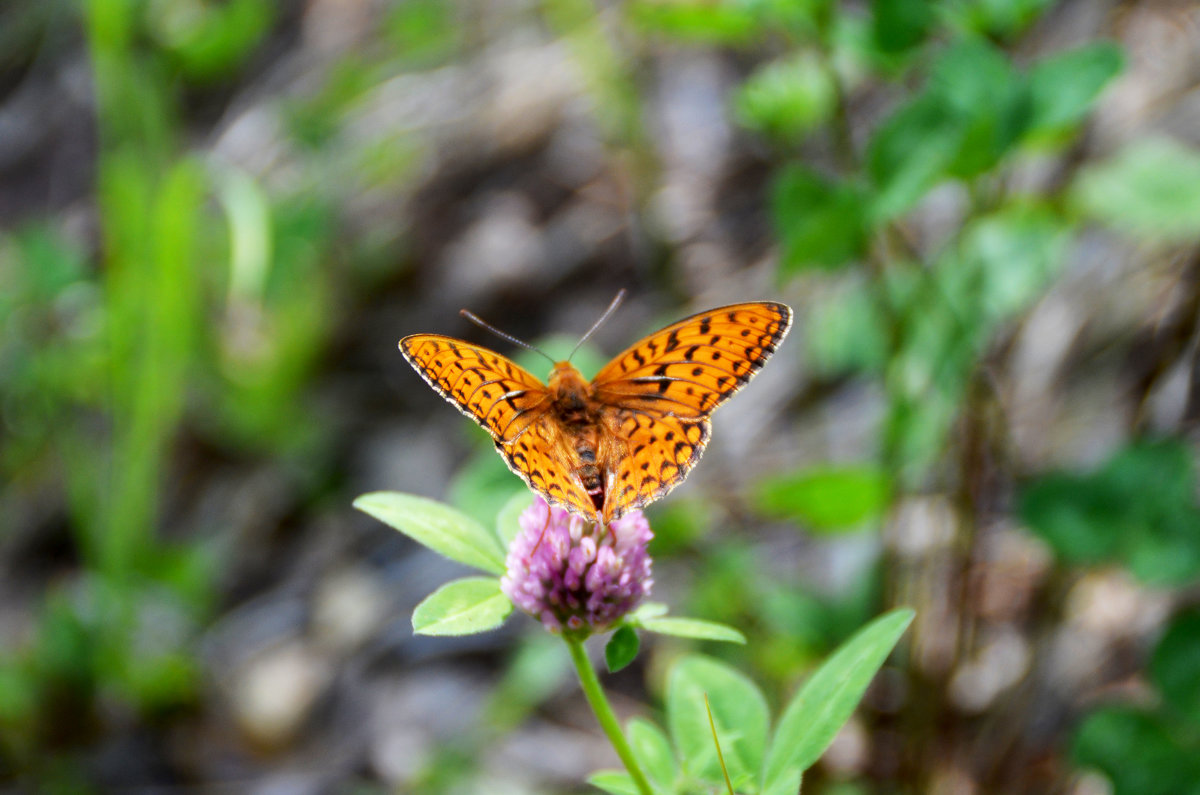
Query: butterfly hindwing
x=539 y=456
x=659 y=451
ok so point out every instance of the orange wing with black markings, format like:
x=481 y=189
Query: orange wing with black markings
x=509 y=403
x=494 y=391
x=633 y=433
x=663 y=390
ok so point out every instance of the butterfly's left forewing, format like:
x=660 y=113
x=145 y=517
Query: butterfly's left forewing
x=661 y=392
x=509 y=403
x=494 y=391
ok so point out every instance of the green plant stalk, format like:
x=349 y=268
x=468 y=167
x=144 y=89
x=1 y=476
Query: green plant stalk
x=604 y=713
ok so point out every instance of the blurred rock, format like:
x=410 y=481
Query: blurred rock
x=950 y=779
x=849 y=752
x=274 y=692
x=348 y=607
x=411 y=713
x=1000 y=661
x=499 y=251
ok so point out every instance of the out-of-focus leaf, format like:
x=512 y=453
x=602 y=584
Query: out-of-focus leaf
x=678 y=523
x=508 y=526
x=692 y=628
x=484 y=485
x=422 y=31
x=829 y=697
x=995 y=18
x=1174 y=665
x=909 y=152
x=536 y=670
x=1150 y=189
x=1138 y=753
x=845 y=332
x=1138 y=509
x=826 y=498
x=1005 y=262
x=989 y=96
x=614 y=782
x=210 y=40
x=738 y=710
x=462 y=607
x=698 y=22
x=786 y=785
x=621 y=648
x=653 y=752
x=437 y=526
x=820 y=222
x=900 y=25
x=1064 y=86
x=786 y=99
x=973 y=109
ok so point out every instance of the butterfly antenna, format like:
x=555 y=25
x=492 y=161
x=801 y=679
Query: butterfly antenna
x=611 y=308
x=717 y=742
x=478 y=321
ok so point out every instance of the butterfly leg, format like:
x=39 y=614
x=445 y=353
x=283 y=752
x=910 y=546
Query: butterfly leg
x=542 y=535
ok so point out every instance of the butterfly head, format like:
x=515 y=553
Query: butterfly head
x=566 y=381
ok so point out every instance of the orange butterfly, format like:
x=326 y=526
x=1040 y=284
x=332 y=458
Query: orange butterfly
x=627 y=438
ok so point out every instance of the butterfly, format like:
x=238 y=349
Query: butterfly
x=631 y=434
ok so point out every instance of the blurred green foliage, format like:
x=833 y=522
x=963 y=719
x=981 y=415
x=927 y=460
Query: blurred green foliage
x=1139 y=509
x=1153 y=750
x=212 y=299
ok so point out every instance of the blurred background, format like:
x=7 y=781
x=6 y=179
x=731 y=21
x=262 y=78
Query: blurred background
x=217 y=217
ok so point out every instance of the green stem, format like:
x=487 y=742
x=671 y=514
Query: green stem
x=604 y=713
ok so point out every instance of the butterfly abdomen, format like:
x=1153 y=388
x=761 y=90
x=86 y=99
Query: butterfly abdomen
x=579 y=418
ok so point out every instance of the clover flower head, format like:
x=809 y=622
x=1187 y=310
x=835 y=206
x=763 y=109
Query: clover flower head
x=576 y=576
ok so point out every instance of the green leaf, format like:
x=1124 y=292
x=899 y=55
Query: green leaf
x=1005 y=262
x=462 y=607
x=994 y=18
x=829 y=697
x=647 y=610
x=692 y=628
x=909 y=152
x=1150 y=190
x=826 y=498
x=988 y=95
x=616 y=782
x=785 y=785
x=846 y=332
x=820 y=222
x=1138 y=508
x=739 y=712
x=1064 y=86
x=786 y=99
x=507 y=525
x=437 y=526
x=1173 y=666
x=698 y=22
x=621 y=648
x=1138 y=752
x=653 y=752
x=900 y=25
x=484 y=484
x=535 y=671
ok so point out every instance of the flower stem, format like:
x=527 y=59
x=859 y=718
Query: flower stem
x=604 y=713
